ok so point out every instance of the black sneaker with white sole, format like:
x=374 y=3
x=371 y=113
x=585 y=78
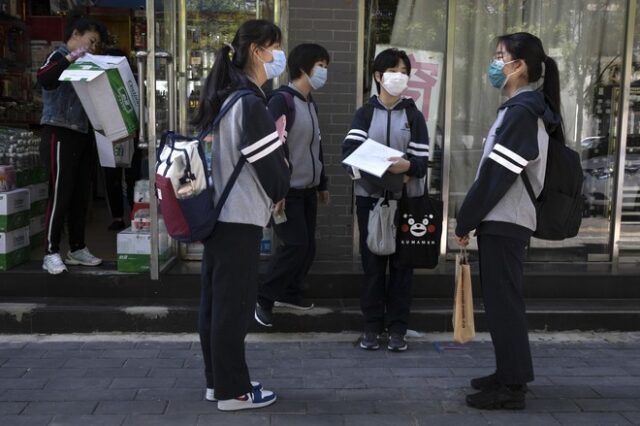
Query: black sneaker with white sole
x=397 y=343
x=490 y=382
x=369 y=341
x=263 y=316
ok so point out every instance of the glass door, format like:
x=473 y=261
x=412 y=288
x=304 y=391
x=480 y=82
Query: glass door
x=182 y=38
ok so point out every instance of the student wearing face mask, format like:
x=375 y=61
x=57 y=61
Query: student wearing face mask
x=389 y=119
x=500 y=209
x=67 y=147
x=247 y=137
x=294 y=255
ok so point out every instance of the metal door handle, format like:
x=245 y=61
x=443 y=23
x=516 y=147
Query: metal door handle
x=141 y=58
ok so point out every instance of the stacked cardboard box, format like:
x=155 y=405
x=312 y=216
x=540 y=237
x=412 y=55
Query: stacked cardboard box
x=14 y=228
x=134 y=249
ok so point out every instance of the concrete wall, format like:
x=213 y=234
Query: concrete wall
x=334 y=25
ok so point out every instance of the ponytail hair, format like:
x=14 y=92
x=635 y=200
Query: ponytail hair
x=77 y=21
x=528 y=48
x=228 y=72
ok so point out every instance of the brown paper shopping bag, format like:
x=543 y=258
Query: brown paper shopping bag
x=463 y=325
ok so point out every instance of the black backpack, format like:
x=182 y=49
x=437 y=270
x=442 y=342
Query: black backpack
x=560 y=204
x=288 y=98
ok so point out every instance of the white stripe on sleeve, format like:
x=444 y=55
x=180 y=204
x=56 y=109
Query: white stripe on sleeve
x=356 y=138
x=276 y=144
x=358 y=132
x=262 y=142
x=419 y=146
x=418 y=153
x=512 y=155
x=505 y=163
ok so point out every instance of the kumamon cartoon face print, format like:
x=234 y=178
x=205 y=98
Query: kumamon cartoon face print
x=417 y=228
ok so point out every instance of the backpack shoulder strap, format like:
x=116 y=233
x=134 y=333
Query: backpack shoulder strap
x=527 y=185
x=291 y=106
x=224 y=110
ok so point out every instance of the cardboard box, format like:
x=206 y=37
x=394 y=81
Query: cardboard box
x=14 y=248
x=14 y=209
x=38 y=208
x=36 y=240
x=39 y=191
x=134 y=250
x=108 y=93
x=37 y=225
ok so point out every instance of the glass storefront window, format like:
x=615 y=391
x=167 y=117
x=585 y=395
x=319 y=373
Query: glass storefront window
x=586 y=38
x=630 y=220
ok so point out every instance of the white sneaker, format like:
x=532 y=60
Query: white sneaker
x=82 y=257
x=210 y=395
x=53 y=264
x=255 y=399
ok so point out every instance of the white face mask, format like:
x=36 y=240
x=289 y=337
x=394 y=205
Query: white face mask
x=395 y=82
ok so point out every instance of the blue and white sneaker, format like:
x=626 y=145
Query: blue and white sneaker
x=254 y=399
x=210 y=395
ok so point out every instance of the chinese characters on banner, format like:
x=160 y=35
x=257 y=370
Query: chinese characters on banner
x=424 y=84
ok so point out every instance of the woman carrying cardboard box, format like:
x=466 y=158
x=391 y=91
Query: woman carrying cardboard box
x=67 y=147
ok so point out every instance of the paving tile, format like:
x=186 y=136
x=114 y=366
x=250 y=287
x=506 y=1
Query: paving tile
x=155 y=363
x=60 y=408
x=22 y=383
x=380 y=420
x=69 y=395
x=142 y=382
x=234 y=419
x=175 y=372
x=618 y=391
x=198 y=407
x=307 y=420
x=12 y=372
x=608 y=404
x=51 y=373
x=116 y=372
x=85 y=420
x=25 y=420
x=162 y=420
x=563 y=391
x=131 y=407
x=11 y=407
x=93 y=362
x=520 y=419
x=173 y=394
x=71 y=383
x=34 y=363
x=588 y=419
x=339 y=407
x=549 y=405
x=452 y=420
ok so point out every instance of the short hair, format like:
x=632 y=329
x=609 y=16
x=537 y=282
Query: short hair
x=77 y=21
x=389 y=58
x=303 y=57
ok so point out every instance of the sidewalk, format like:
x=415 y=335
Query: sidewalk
x=582 y=379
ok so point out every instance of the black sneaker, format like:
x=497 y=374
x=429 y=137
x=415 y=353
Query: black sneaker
x=490 y=382
x=369 y=341
x=397 y=343
x=263 y=316
x=501 y=397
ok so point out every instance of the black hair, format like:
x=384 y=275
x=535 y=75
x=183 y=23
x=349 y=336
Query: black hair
x=303 y=57
x=389 y=58
x=76 y=21
x=228 y=74
x=528 y=48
